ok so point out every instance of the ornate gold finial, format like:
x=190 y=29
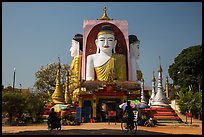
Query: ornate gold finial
x=104 y=17
x=160 y=68
x=153 y=78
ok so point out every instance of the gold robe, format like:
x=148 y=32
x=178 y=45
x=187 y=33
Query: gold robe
x=114 y=69
x=75 y=69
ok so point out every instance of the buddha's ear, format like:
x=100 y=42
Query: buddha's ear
x=97 y=48
x=96 y=42
x=115 y=43
x=114 y=47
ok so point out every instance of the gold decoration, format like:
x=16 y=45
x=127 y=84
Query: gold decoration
x=75 y=73
x=57 y=96
x=139 y=75
x=105 y=32
x=104 y=17
x=116 y=66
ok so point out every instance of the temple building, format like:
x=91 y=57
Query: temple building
x=104 y=72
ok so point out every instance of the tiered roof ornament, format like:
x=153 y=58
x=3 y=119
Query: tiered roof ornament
x=104 y=17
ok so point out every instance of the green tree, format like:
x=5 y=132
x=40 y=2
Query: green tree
x=13 y=103
x=190 y=101
x=187 y=68
x=34 y=105
x=46 y=78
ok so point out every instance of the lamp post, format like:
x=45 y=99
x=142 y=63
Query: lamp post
x=14 y=74
x=20 y=87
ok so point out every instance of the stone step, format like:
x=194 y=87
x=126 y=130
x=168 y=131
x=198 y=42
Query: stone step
x=165 y=114
x=168 y=121
x=162 y=109
x=166 y=117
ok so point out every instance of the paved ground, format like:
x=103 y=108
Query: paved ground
x=101 y=129
x=108 y=129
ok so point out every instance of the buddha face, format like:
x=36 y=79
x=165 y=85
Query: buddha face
x=106 y=42
x=134 y=48
x=74 y=48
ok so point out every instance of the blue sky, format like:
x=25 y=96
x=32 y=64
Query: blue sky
x=35 y=34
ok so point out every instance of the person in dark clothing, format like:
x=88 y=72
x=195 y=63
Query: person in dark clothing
x=129 y=114
x=52 y=118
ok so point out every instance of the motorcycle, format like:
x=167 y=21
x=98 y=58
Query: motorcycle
x=55 y=125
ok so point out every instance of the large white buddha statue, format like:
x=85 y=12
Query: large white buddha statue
x=105 y=64
x=75 y=67
x=134 y=56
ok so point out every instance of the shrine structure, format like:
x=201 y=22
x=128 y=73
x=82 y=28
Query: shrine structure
x=104 y=72
x=99 y=95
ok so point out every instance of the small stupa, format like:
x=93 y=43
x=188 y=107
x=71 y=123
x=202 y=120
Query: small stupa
x=153 y=90
x=57 y=96
x=143 y=99
x=160 y=99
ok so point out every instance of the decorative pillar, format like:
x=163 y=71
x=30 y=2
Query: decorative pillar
x=66 y=95
x=167 y=87
x=80 y=102
x=94 y=106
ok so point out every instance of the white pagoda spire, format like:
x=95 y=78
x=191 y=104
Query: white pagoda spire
x=143 y=100
x=153 y=89
x=160 y=99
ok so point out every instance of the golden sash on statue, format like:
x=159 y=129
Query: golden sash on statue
x=75 y=68
x=114 y=68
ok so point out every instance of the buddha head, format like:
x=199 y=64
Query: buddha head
x=134 y=46
x=76 y=47
x=105 y=41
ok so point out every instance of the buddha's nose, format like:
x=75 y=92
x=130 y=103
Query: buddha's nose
x=106 y=42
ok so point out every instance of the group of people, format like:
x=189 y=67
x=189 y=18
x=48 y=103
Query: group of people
x=62 y=117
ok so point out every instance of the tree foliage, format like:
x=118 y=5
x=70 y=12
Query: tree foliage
x=46 y=77
x=17 y=103
x=187 y=68
x=189 y=101
x=13 y=103
x=34 y=105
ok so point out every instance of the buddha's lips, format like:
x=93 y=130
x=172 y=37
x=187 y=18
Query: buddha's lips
x=106 y=46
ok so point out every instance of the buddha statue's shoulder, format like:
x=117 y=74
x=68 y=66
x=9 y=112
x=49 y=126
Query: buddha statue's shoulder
x=76 y=61
x=118 y=56
x=77 y=58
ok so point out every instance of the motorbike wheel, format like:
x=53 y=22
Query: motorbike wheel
x=49 y=128
x=59 y=128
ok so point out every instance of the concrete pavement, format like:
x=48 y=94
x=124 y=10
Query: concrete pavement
x=99 y=129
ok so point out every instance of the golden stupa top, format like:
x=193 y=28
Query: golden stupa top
x=153 y=78
x=167 y=81
x=104 y=17
x=159 y=68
